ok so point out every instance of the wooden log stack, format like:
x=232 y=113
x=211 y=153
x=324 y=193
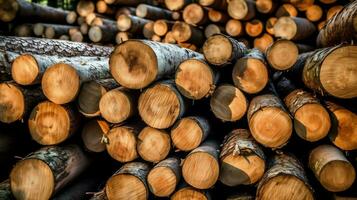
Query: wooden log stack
x=208 y=99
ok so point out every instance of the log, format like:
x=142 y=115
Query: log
x=164 y=177
x=228 y=103
x=84 y=29
x=152 y=12
x=131 y=23
x=85 y=7
x=64 y=37
x=344 y=134
x=222 y=50
x=44 y=172
x=52 y=47
x=125 y=10
x=302 y=5
x=333 y=11
x=250 y=73
x=241 y=196
x=217 y=16
x=55 y=31
x=184 y=32
x=327 y=1
x=254 y=28
x=282 y=54
x=200 y=168
x=122 y=37
x=24 y=30
x=242 y=159
x=325 y=161
x=169 y=38
x=195 y=14
x=234 y=28
x=71 y=17
x=175 y=5
x=269 y=25
x=195 y=79
x=340 y=28
x=16 y=102
x=51 y=124
x=61 y=82
x=39 y=29
x=77 y=37
x=148 y=30
x=162 y=26
x=188 y=192
x=186 y=45
x=103 y=8
x=241 y=9
x=286 y=10
x=270 y=132
x=22 y=10
x=92 y=135
x=217 y=4
x=326 y=71
x=121 y=142
x=314 y=13
x=304 y=107
x=129 y=182
x=189 y=132
x=176 y=15
x=161 y=105
x=262 y=43
x=81 y=20
x=213 y=29
x=293 y=28
x=153 y=144
x=265 y=6
x=103 y=33
x=131 y=71
x=5 y=190
x=284 y=179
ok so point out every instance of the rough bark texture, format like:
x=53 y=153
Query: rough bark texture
x=153 y=12
x=263 y=101
x=211 y=147
x=52 y=47
x=5 y=191
x=172 y=163
x=341 y=28
x=298 y=98
x=56 y=30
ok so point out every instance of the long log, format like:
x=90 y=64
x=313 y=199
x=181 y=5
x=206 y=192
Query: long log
x=341 y=28
x=131 y=71
x=293 y=28
x=103 y=33
x=184 y=32
x=324 y=161
x=129 y=182
x=242 y=159
x=284 y=179
x=131 y=24
x=46 y=171
x=23 y=10
x=195 y=14
x=152 y=12
x=164 y=177
x=54 y=31
x=201 y=166
x=92 y=135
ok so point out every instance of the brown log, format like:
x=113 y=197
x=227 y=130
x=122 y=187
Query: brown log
x=293 y=28
x=81 y=20
x=131 y=71
x=121 y=142
x=164 y=177
x=213 y=29
x=162 y=26
x=241 y=9
x=103 y=33
x=54 y=31
x=153 y=144
x=284 y=179
x=38 y=29
x=85 y=7
x=250 y=73
x=46 y=171
x=332 y=168
x=125 y=10
x=222 y=50
x=286 y=10
x=148 y=30
x=333 y=11
x=326 y=71
x=71 y=17
x=175 y=5
x=91 y=93
x=131 y=24
x=269 y=25
x=190 y=46
x=184 y=32
x=195 y=79
x=176 y=15
x=161 y=105
x=77 y=37
x=188 y=192
x=189 y=132
x=26 y=11
x=84 y=28
x=103 y=8
x=340 y=28
x=169 y=38
x=262 y=43
x=92 y=135
x=344 y=134
x=195 y=14
x=234 y=28
x=270 y=132
x=24 y=30
x=228 y=103
x=314 y=13
x=122 y=37
x=254 y=28
x=302 y=5
x=217 y=4
x=311 y=119
x=129 y=182
x=242 y=159
x=157 y=38
x=152 y=12
x=265 y=6
x=201 y=166
x=217 y=16
x=282 y=54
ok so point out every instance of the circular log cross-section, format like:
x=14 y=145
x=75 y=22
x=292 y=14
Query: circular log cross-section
x=241 y=9
x=25 y=70
x=164 y=177
x=51 y=124
x=265 y=6
x=269 y=25
x=332 y=168
x=234 y=28
x=195 y=79
x=188 y=193
x=250 y=73
x=175 y=4
x=161 y=105
x=314 y=13
x=262 y=43
x=153 y=145
x=201 y=167
x=194 y=14
x=268 y=121
x=188 y=133
x=282 y=54
x=92 y=135
x=242 y=159
x=184 y=32
x=84 y=8
x=213 y=29
x=228 y=103
x=293 y=28
x=12 y=103
x=161 y=27
x=254 y=28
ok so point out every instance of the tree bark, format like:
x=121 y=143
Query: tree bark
x=93 y=133
x=104 y=33
x=152 y=12
x=294 y=28
x=54 y=31
x=184 y=32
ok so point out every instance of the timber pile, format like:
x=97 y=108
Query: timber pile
x=186 y=118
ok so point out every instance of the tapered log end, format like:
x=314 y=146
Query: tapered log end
x=88 y=98
x=92 y=134
x=12 y=103
x=189 y=193
x=162 y=181
x=217 y=49
x=285 y=28
x=122 y=144
x=25 y=70
x=186 y=134
x=8 y=10
x=32 y=179
x=133 y=64
x=124 y=22
x=60 y=83
x=282 y=49
x=125 y=186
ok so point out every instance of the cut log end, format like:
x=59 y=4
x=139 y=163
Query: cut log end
x=217 y=49
x=8 y=10
x=38 y=29
x=85 y=8
x=254 y=28
x=181 y=31
x=95 y=34
x=124 y=22
x=76 y=37
x=228 y=103
x=264 y=6
x=212 y=29
x=88 y=98
x=122 y=37
x=285 y=28
x=50 y=32
x=189 y=193
x=25 y=70
x=125 y=186
x=234 y=28
x=71 y=17
x=282 y=49
x=286 y=10
x=161 y=27
x=238 y=9
x=314 y=13
x=12 y=103
x=193 y=14
x=262 y=43
x=174 y=4
x=92 y=134
x=141 y=10
x=269 y=26
x=60 y=83
x=186 y=134
x=162 y=181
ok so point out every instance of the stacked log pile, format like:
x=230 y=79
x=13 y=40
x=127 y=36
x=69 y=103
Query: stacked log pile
x=186 y=110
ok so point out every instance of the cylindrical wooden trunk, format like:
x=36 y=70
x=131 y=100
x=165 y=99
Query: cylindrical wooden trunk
x=241 y=9
x=162 y=26
x=46 y=171
x=131 y=24
x=234 y=28
x=152 y=12
x=187 y=192
x=195 y=14
x=93 y=133
x=187 y=33
x=262 y=43
x=176 y=4
x=213 y=29
x=85 y=7
x=254 y=28
x=282 y=54
x=286 y=10
x=293 y=28
x=242 y=159
x=332 y=168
